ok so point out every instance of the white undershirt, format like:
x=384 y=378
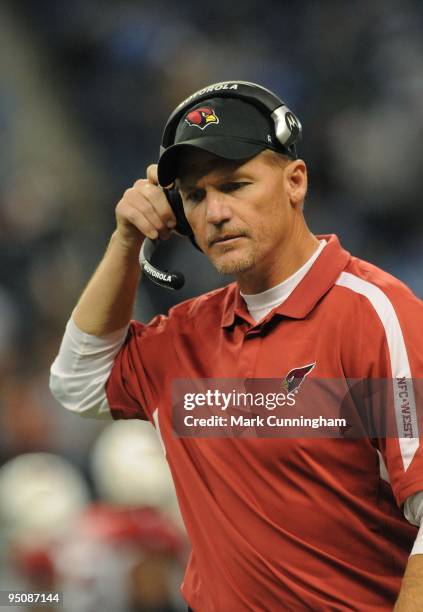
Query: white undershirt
x=82 y=367
x=260 y=304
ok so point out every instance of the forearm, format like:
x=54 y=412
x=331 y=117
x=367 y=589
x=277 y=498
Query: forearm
x=107 y=302
x=411 y=594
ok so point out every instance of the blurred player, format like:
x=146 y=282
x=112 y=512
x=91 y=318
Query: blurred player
x=119 y=559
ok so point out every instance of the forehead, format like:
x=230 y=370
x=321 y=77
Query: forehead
x=193 y=164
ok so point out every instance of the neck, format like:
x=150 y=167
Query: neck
x=285 y=261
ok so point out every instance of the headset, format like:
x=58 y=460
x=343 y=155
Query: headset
x=288 y=132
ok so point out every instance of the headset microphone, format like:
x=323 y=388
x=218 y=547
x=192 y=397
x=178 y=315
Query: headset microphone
x=169 y=280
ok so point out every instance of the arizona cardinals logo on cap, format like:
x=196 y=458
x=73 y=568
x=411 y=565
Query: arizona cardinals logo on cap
x=202 y=117
x=295 y=377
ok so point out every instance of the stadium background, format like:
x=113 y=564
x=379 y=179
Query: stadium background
x=85 y=89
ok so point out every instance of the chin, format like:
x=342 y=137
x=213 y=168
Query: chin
x=232 y=263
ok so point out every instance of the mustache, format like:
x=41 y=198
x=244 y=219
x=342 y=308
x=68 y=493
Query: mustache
x=229 y=232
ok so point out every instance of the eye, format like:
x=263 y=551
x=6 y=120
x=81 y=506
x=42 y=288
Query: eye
x=195 y=196
x=232 y=186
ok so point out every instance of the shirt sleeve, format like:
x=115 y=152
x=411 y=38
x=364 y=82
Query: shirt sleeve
x=137 y=378
x=396 y=339
x=81 y=369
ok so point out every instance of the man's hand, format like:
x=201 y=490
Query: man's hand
x=108 y=300
x=144 y=211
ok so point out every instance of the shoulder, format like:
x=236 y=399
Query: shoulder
x=382 y=319
x=383 y=307
x=375 y=287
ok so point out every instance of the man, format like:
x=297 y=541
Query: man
x=274 y=523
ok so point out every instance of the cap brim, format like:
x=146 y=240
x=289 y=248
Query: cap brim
x=226 y=148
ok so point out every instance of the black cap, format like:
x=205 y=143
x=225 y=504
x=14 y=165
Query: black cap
x=228 y=127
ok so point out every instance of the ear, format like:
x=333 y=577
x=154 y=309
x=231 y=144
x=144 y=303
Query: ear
x=296 y=182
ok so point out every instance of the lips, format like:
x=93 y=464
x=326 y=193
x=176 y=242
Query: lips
x=224 y=238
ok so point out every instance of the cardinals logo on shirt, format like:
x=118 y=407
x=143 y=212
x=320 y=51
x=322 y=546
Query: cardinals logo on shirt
x=202 y=117
x=295 y=377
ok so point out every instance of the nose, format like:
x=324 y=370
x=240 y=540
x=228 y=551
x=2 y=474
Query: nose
x=218 y=209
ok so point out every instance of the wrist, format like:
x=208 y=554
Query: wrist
x=128 y=247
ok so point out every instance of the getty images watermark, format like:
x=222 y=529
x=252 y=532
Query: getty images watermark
x=271 y=407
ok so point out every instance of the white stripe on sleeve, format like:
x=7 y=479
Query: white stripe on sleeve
x=400 y=367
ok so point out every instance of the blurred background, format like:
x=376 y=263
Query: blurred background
x=85 y=89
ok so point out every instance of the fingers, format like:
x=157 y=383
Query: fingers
x=144 y=207
x=155 y=202
x=152 y=174
x=138 y=220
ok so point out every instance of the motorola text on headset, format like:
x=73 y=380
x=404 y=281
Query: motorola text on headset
x=287 y=130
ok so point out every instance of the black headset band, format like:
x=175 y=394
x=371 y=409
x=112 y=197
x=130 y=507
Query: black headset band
x=257 y=95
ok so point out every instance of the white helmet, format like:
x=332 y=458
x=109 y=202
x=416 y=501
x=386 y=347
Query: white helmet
x=129 y=467
x=40 y=494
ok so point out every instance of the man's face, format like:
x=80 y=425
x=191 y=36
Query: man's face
x=241 y=213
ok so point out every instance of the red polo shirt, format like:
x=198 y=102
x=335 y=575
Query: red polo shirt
x=286 y=524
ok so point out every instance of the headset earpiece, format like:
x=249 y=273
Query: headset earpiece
x=182 y=226
x=287 y=126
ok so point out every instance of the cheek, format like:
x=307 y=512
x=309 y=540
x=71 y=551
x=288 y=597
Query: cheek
x=272 y=225
x=192 y=218
x=280 y=211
